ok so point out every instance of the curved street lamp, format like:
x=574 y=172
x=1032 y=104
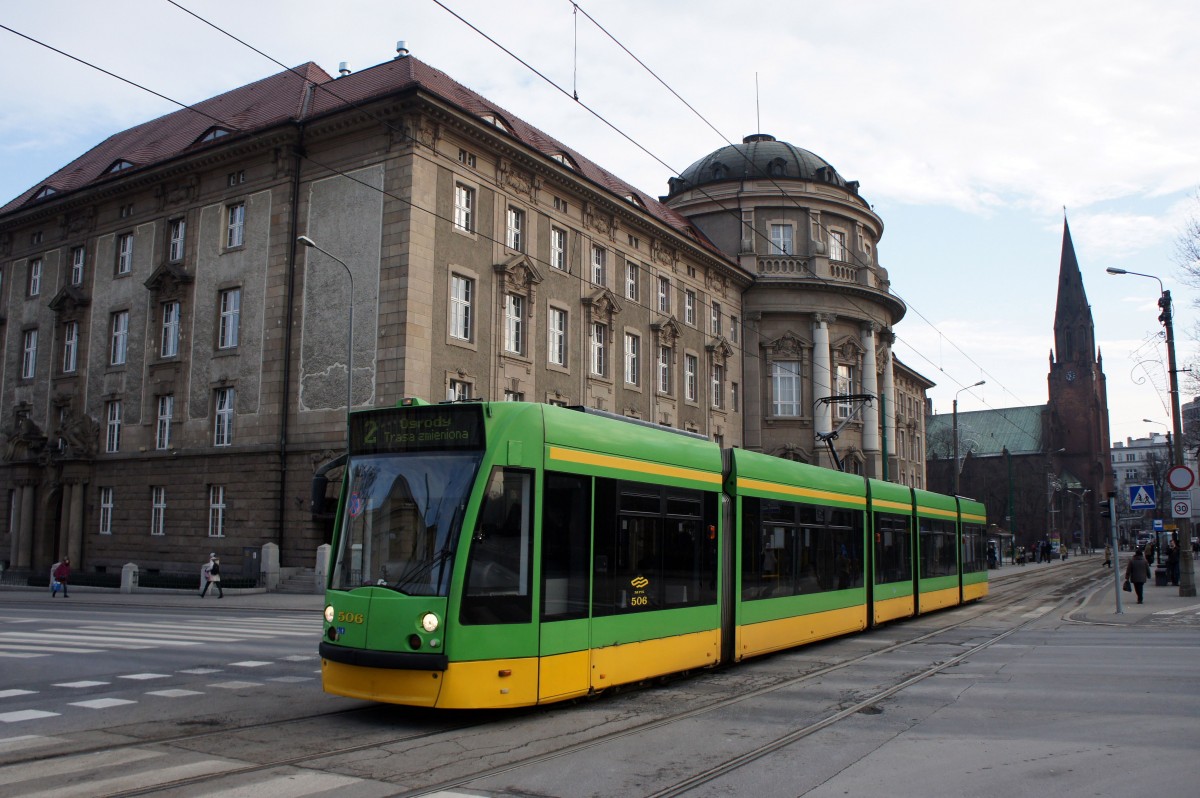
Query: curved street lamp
x=1187 y=577
x=955 y=425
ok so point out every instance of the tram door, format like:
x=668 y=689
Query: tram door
x=566 y=542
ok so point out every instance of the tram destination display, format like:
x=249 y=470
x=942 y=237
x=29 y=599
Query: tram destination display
x=417 y=429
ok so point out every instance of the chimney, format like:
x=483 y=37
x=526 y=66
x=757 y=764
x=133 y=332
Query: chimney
x=401 y=49
x=343 y=69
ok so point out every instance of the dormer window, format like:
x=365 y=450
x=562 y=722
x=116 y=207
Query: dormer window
x=777 y=168
x=564 y=159
x=720 y=171
x=44 y=192
x=119 y=165
x=212 y=134
x=496 y=121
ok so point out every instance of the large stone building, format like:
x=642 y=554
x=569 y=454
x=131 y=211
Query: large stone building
x=175 y=363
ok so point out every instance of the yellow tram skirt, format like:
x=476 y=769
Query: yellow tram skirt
x=415 y=688
x=633 y=662
x=937 y=599
x=761 y=638
x=893 y=608
x=975 y=591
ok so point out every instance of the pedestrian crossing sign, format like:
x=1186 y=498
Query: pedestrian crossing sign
x=1141 y=497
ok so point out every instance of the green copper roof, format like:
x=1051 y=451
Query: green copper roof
x=987 y=432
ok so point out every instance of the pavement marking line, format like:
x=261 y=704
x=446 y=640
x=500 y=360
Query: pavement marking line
x=157 y=634
x=18 y=655
x=105 y=641
x=174 y=693
x=14 y=774
x=249 y=663
x=27 y=741
x=11 y=693
x=145 y=676
x=291 y=679
x=25 y=714
x=48 y=649
x=80 y=684
x=1192 y=608
x=287 y=786
x=298 y=658
x=102 y=703
x=235 y=685
x=1039 y=612
x=201 y=671
x=132 y=781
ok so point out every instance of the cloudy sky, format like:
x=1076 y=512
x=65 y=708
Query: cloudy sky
x=969 y=126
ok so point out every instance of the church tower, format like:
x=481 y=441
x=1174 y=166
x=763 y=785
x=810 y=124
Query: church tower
x=1077 y=418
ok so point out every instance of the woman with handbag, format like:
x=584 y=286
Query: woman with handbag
x=1137 y=572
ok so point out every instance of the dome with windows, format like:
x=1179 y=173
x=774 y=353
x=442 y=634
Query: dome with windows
x=759 y=156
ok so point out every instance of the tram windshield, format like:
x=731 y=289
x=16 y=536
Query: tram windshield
x=400 y=520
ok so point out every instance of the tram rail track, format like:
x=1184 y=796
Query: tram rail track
x=1007 y=592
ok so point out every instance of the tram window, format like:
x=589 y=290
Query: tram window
x=893 y=549
x=655 y=548
x=939 y=555
x=792 y=549
x=497 y=589
x=566 y=545
x=974 y=558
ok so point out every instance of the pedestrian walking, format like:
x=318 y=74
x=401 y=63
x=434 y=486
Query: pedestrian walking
x=1173 y=562
x=1107 y=555
x=1137 y=572
x=60 y=577
x=212 y=576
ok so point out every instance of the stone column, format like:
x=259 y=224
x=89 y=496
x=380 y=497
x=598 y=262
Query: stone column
x=752 y=379
x=889 y=416
x=75 y=530
x=14 y=532
x=870 y=384
x=822 y=378
x=62 y=537
x=25 y=547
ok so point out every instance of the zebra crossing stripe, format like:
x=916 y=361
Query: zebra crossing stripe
x=25 y=714
x=26 y=741
x=14 y=693
x=104 y=641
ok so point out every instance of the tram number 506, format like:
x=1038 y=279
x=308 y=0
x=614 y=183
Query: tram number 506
x=350 y=617
x=639 y=601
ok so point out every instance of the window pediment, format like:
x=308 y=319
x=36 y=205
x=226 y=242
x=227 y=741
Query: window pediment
x=519 y=272
x=69 y=300
x=602 y=304
x=720 y=348
x=789 y=345
x=168 y=279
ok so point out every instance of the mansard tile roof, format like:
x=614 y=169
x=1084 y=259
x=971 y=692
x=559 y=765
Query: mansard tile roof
x=306 y=93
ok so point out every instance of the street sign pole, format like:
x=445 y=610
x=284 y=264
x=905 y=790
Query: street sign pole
x=1116 y=558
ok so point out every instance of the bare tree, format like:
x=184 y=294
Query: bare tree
x=1187 y=255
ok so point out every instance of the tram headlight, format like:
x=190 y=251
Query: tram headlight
x=328 y=613
x=429 y=622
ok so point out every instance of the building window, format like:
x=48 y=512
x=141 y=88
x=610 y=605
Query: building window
x=106 y=511
x=599 y=358
x=514 y=323
x=514 y=396
x=230 y=308
x=844 y=387
x=462 y=291
x=733 y=328
x=556 y=342
x=233 y=178
x=715 y=319
x=664 y=369
x=734 y=398
x=78 y=254
x=785 y=388
x=125 y=253
x=466 y=158
x=599 y=265
x=177 y=235
x=781 y=239
x=558 y=248
x=223 y=417
x=162 y=433
x=29 y=354
x=236 y=228
x=689 y=306
x=631 y=281
x=112 y=436
x=560 y=205
x=119 y=347
x=170 y=329
x=464 y=207
x=718 y=386
x=216 y=511
x=158 y=510
x=70 y=347
x=514 y=229
x=691 y=369
x=633 y=352
x=664 y=295
x=837 y=245
x=459 y=391
x=35 y=277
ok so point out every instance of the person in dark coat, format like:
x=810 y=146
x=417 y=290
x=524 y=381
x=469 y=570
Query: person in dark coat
x=62 y=573
x=212 y=576
x=1138 y=573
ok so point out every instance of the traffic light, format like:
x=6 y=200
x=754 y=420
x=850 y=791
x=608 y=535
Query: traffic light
x=1105 y=507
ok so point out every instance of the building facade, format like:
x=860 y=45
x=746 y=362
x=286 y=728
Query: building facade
x=177 y=365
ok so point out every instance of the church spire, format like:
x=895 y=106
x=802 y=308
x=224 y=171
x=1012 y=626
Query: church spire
x=1074 y=333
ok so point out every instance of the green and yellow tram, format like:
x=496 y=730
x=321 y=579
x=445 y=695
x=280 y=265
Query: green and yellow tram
x=508 y=554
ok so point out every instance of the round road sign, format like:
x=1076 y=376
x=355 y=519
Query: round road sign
x=1180 y=477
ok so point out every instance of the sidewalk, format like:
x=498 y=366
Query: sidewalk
x=258 y=600
x=1161 y=603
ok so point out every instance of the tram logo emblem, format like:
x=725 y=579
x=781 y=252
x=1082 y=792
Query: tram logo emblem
x=639 y=582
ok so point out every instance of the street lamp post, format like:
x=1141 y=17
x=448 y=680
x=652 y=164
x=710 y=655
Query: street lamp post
x=308 y=242
x=1187 y=578
x=955 y=425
